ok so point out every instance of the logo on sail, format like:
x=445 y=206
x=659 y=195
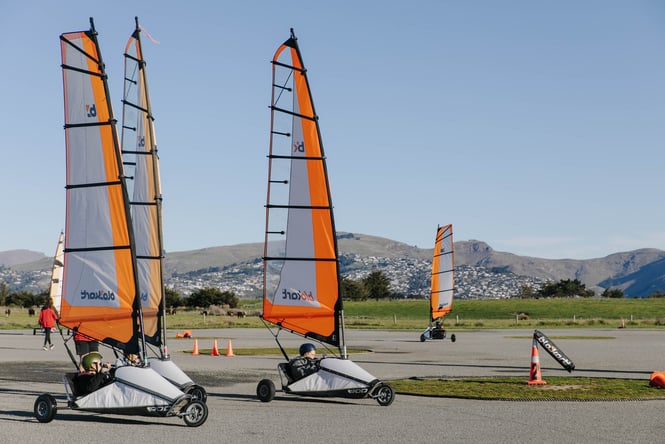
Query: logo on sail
x=98 y=295
x=289 y=296
x=299 y=146
x=297 y=295
x=91 y=110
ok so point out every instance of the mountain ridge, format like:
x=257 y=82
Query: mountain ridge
x=635 y=272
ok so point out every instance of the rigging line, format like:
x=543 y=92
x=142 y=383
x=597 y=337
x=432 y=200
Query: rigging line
x=148 y=257
x=111 y=248
x=83 y=125
x=93 y=184
x=293 y=68
x=276 y=156
x=81 y=50
x=301 y=207
x=283 y=88
x=139 y=61
x=145 y=110
x=101 y=75
x=138 y=153
x=302 y=116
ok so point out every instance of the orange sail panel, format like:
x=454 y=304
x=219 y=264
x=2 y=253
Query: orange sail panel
x=301 y=271
x=139 y=150
x=443 y=264
x=99 y=286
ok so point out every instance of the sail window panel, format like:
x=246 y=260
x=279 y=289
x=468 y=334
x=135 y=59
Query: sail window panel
x=95 y=218
x=87 y=160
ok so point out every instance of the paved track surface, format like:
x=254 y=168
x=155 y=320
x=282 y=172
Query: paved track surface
x=236 y=416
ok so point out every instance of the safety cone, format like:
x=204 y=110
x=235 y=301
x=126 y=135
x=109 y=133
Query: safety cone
x=535 y=377
x=229 y=350
x=215 y=352
x=657 y=380
x=196 y=347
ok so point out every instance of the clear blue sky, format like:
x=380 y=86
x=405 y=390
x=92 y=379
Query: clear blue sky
x=536 y=126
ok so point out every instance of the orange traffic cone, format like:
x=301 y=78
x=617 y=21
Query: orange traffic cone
x=535 y=377
x=229 y=350
x=196 y=347
x=215 y=352
x=657 y=380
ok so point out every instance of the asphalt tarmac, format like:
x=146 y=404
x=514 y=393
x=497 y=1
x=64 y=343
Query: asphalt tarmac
x=236 y=416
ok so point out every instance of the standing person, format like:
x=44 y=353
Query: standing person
x=47 y=320
x=306 y=363
x=84 y=345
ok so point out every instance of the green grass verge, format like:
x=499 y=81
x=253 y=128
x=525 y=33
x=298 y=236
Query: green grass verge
x=413 y=315
x=516 y=388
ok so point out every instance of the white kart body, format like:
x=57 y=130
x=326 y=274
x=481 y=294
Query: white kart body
x=170 y=371
x=133 y=389
x=336 y=377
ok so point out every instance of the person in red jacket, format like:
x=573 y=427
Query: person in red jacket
x=47 y=320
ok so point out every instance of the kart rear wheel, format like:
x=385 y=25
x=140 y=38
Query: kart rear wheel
x=385 y=395
x=199 y=393
x=422 y=338
x=453 y=338
x=265 y=391
x=45 y=408
x=195 y=413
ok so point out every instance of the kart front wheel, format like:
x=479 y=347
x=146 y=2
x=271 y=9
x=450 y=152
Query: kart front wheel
x=265 y=391
x=195 y=413
x=45 y=408
x=385 y=395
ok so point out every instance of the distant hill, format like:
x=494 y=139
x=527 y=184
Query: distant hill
x=634 y=272
x=637 y=273
x=16 y=257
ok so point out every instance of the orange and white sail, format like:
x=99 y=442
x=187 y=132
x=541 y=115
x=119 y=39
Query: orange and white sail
x=99 y=285
x=139 y=153
x=55 y=289
x=301 y=270
x=443 y=282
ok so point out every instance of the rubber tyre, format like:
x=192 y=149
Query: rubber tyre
x=45 y=408
x=385 y=395
x=453 y=338
x=199 y=393
x=422 y=338
x=195 y=413
x=265 y=391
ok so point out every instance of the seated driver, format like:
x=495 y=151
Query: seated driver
x=94 y=375
x=306 y=363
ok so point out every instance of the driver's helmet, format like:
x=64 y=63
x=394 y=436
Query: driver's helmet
x=91 y=358
x=306 y=347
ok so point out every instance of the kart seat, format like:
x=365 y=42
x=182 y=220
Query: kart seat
x=286 y=369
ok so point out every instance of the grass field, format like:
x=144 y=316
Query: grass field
x=414 y=315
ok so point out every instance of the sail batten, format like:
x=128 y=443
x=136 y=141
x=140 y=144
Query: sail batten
x=301 y=266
